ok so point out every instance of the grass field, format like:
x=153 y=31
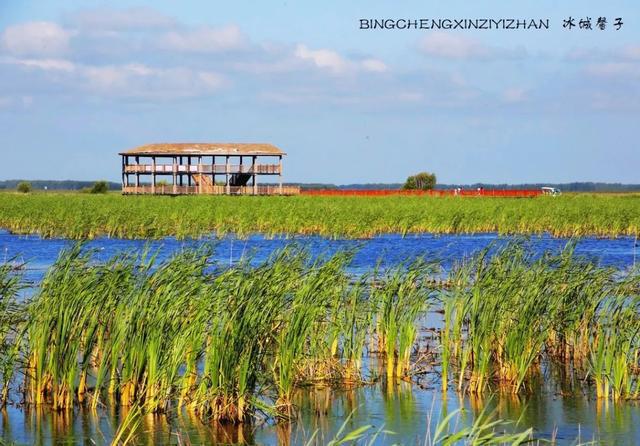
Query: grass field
x=77 y=216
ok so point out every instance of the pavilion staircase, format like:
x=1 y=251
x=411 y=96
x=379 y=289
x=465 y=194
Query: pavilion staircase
x=239 y=179
x=202 y=180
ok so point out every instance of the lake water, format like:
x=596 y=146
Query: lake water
x=389 y=250
x=406 y=410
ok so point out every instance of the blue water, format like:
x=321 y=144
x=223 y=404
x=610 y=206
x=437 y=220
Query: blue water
x=388 y=250
x=406 y=410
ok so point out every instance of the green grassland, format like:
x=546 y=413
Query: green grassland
x=77 y=216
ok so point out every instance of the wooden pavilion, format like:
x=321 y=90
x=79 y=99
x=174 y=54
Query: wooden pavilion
x=203 y=168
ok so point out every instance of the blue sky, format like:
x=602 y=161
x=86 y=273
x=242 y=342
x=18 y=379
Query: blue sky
x=82 y=80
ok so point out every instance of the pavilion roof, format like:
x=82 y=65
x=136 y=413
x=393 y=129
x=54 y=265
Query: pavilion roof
x=205 y=149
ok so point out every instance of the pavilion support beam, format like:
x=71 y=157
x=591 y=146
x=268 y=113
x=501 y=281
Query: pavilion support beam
x=239 y=172
x=126 y=175
x=200 y=177
x=123 y=169
x=180 y=167
x=280 y=174
x=137 y=172
x=175 y=173
x=253 y=170
x=153 y=174
x=228 y=185
x=213 y=172
x=189 y=171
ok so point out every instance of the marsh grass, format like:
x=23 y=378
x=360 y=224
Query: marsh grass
x=400 y=297
x=184 y=332
x=509 y=312
x=80 y=216
x=11 y=319
x=226 y=341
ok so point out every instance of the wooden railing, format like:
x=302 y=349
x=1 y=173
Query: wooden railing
x=265 y=189
x=264 y=169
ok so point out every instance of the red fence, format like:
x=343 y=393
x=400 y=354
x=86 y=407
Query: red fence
x=516 y=193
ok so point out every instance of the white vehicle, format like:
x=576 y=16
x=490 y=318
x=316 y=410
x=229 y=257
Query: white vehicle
x=551 y=191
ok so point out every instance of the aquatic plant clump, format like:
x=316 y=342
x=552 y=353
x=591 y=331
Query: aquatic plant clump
x=225 y=341
x=508 y=314
x=186 y=333
x=11 y=317
x=79 y=216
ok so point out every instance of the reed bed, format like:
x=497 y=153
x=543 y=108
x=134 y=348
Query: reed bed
x=185 y=333
x=80 y=216
x=11 y=318
x=226 y=342
x=510 y=314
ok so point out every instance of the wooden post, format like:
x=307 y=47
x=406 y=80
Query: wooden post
x=253 y=170
x=175 y=171
x=228 y=186
x=123 y=169
x=280 y=174
x=126 y=176
x=179 y=166
x=199 y=168
x=189 y=170
x=213 y=172
x=153 y=174
x=137 y=172
x=239 y=173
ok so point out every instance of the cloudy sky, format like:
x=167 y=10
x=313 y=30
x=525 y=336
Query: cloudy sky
x=81 y=80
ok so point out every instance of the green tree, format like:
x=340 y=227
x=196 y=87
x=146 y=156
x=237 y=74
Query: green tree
x=100 y=187
x=24 y=187
x=420 y=181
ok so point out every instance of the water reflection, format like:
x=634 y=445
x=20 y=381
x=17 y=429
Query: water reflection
x=406 y=412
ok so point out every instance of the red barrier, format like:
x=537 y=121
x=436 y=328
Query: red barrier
x=516 y=193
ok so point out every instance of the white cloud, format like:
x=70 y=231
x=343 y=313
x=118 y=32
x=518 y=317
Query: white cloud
x=374 y=65
x=42 y=64
x=132 y=80
x=140 y=81
x=333 y=62
x=614 y=70
x=205 y=39
x=454 y=46
x=632 y=52
x=582 y=54
x=322 y=58
x=107 y=78
x=36 y=38
x=120 y=19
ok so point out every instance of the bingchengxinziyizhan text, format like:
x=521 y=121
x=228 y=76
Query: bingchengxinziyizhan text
x=568 y=23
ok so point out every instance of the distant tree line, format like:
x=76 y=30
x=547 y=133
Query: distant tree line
x=59 y=184
x=565 y=187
